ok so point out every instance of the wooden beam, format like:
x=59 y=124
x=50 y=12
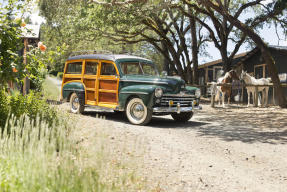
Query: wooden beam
x=26 y=86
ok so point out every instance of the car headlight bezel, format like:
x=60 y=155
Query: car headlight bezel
x=197 y=93
x=158 y=92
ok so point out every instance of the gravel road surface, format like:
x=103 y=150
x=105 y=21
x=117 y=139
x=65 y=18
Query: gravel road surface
x=219 y=149
x=230 y=149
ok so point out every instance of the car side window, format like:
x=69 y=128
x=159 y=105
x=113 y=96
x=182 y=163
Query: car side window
x=131 y=68
x=74 y=68
x=91 y=68
x=108 y=69
x=148 y=69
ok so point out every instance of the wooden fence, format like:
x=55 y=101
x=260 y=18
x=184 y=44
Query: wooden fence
x=242 y=86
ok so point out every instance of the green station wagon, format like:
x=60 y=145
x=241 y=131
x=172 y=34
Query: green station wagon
x=126 y=83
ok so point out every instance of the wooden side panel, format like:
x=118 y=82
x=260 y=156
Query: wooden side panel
x=108 y=97
x=90 y=83
x=91 y=95
x=71 y=79
x=108 y=84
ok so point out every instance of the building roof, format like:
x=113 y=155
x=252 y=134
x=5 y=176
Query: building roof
x=111 y=57
x=31 y=31
x=243 y=56
x=256 y=49
x=220 y=60
x=278 y=47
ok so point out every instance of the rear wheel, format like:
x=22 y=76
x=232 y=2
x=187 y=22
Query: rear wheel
x=137 y=113
x=182 y=117
x=76 y=105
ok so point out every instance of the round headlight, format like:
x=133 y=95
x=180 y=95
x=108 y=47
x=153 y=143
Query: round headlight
x=158 y=92
x=197 y=93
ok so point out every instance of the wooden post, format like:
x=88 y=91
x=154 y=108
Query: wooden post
x=274 y=95
x=256 y=96
x=242 y=89
x=26 y=86
x=212 y=100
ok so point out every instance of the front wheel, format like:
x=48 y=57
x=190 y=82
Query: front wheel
x=182 y=117
x=75 y=104
x=137 y=113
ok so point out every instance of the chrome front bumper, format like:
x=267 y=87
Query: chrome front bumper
x=176 y=109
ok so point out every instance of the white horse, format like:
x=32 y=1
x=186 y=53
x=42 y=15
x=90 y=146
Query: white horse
x=252 y=81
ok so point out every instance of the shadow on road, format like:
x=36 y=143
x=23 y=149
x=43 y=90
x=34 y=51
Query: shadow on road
x=156 y=122
x=250 y=126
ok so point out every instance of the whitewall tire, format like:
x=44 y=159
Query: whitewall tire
x=76 y=105
x=137 y=113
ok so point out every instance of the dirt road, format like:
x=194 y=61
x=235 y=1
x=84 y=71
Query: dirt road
x=232 y=149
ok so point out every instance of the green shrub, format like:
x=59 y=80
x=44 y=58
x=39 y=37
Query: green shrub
x=4 y=107
x=53 y=72
x=36 y=157
x=60 y=75
x=31 y=105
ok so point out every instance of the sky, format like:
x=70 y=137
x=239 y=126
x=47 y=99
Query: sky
x=268 y=34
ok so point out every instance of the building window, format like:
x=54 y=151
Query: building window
x=260 y=71
x=210 y=75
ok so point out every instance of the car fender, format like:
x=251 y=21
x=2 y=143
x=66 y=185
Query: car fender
x=144 y=92
x=73 y=87
x=190 y=90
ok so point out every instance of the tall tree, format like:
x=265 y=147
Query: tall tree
x=221 y=32
x=82 y=25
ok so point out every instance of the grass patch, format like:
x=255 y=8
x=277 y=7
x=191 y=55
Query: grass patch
x=45 y=150
x=50 y=90
x=37 y=157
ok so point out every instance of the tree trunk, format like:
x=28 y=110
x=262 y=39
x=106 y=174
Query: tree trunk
x=226 y=63
x=194 y=49
x=166 y=60
x=272 y=71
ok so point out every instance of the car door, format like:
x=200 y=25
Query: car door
x=108 y=84
x=90 y=80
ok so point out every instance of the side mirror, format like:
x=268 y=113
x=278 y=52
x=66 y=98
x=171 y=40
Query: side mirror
x=164 y=74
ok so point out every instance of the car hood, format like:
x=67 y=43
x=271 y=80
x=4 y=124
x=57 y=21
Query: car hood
x=168 y=84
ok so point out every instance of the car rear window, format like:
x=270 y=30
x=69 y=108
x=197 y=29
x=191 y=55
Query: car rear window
x=74 y=68
x=108 y=69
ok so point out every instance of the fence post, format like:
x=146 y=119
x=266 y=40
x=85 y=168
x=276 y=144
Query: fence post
x=241 y=96
x=256 y=96
x=212 y=100
x=273 y=95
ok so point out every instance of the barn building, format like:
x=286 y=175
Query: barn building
x=252 y=62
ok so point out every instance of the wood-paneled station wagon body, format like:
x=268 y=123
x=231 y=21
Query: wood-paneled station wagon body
x=126 y=83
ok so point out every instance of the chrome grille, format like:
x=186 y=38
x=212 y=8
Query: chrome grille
x=183 y=100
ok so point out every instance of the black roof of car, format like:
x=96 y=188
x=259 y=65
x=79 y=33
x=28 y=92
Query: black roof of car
x=110 y=57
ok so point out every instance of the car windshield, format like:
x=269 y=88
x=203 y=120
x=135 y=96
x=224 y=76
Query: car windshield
x=138 y=68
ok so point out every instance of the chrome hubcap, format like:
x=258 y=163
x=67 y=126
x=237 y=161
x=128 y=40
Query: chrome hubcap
x=75 y=103
x=137 y=111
